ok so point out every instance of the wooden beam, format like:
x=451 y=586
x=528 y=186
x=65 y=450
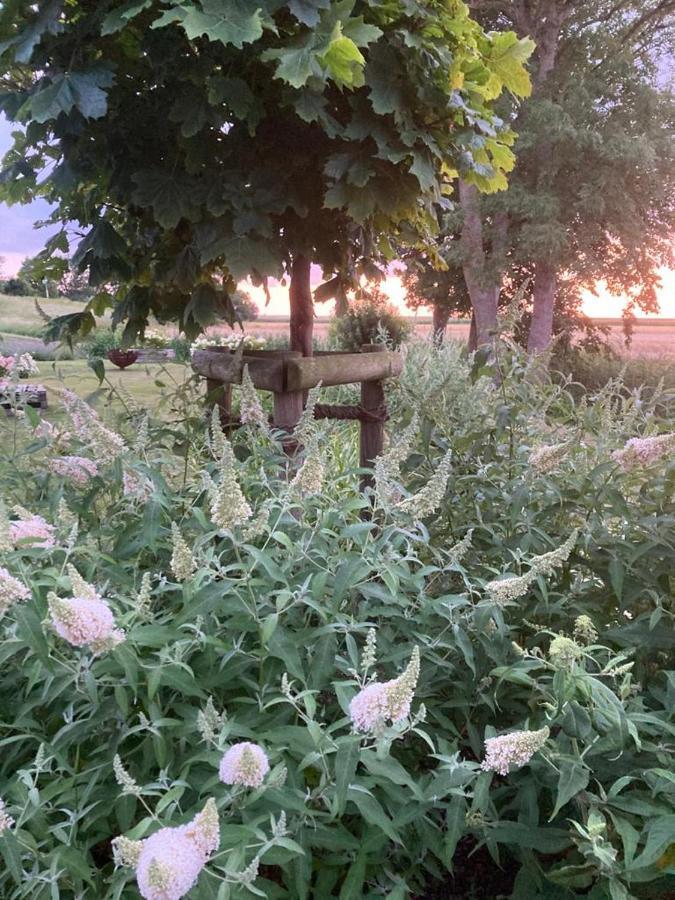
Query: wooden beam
x=372 y=433
x=266 y=373
x=344 y=368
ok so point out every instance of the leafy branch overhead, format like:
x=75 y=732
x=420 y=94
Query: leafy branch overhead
x=237 y=135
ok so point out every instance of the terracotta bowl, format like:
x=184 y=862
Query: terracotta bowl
x=122 y=358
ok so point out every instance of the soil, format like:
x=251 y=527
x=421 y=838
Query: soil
x=475 y=876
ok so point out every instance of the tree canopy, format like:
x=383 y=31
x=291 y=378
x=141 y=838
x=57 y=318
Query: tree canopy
x=196 y=143
x=592 y=197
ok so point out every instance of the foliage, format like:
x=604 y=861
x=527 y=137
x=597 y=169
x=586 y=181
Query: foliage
x=100 y=342
x=262 y=632
x=370 y=319
x=16 y=287
x=594 y=370
x=75 y=286
x=245 y=308
x=197 y=143
x=592 y=196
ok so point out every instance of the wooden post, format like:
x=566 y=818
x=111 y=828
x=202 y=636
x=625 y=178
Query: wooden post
x=288 y=405
x=219 y=394
x=372 y=433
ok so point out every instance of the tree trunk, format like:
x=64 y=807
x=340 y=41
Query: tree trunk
x=441 y=314
x=302 y=306
x=473 y=343
x=483 y=290
x=541 y=328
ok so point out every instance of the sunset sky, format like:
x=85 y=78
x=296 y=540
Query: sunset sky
x=18 y=239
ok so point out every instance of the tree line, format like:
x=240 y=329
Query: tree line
x=188 y=145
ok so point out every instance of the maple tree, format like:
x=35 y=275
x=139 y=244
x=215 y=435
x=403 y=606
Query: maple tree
x=194 y=144
x=592 y=197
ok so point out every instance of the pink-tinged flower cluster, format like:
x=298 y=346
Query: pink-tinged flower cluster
x=370 y=706
x=77 y=469
x=515 y=749
x=379 y=702
x=22 y=365
x=244 y=763
x=103 y=444
x=85 y=621
x=136 y=486
x=11 y=591
x=168 y=863
x=31 y=531
x=639 y=452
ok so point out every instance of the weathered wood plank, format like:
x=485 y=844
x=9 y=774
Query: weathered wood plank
x=372 y=433
x=344 y=368
x=266 y=374
x=219 y=394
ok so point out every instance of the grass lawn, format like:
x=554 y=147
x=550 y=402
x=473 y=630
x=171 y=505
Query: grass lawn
x=18 y=315
x=147 y=385
x=144 y=382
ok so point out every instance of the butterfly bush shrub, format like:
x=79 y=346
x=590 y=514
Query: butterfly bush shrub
x=227 y=673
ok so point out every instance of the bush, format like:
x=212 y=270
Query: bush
x=246 y=309
x=258 y=602
x=369 y=320
x=16 y=287
x=594 y=370
x=97 y=344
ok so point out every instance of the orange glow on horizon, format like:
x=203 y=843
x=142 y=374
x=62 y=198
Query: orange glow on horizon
x=602 y=306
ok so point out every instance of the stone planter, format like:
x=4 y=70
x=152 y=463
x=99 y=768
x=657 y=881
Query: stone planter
x=154 y=355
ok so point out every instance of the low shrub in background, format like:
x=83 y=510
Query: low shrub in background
x=217 y=672
x=594 y=370
x=369 y=320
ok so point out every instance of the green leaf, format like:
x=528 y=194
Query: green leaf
x=296 y=64
x=388 y=768
x=283 y=646
x=616 y=573
x=204 y=305
x=307 y=11
x=424 y=171
x=532 y=837
x=323 y=661
x=630 y=837
x=82 y=90
x=28 y=38
x=372 y=812
x=344 y=62
x=660 y=835
x=346 y=761
x=572 y=779
x=243 y=255
x=237 y=95
x=352 y=887
x=30 y=631
x=97 y=367
x=382 y=77
x=118 y=18
x=171 y=196
x=507 y=57
x=11 y=853
x=235 y=22
x=455 y=827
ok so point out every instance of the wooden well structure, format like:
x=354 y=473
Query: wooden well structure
x=288 y=375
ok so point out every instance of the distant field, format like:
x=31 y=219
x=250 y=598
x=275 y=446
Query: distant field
x=19 y=315
x=652 y=338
